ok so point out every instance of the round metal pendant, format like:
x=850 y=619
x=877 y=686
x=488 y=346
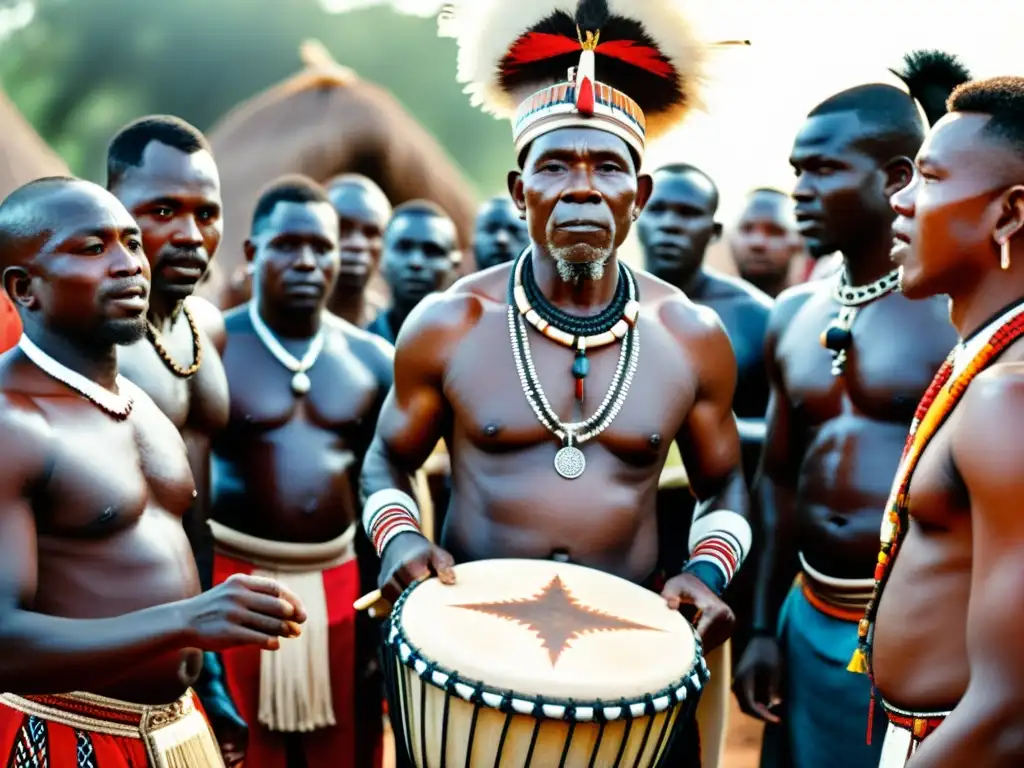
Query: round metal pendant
x=300 y=383
x=570 y=462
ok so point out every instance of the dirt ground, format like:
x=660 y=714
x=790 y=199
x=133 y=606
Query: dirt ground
x=742 y=747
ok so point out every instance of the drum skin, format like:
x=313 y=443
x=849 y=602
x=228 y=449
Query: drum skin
x=535 y=663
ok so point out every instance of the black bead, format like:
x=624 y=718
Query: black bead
x=837 y=337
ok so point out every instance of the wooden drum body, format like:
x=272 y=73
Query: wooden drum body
x=537 y=664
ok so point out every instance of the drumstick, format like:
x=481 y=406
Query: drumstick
x=368 y=600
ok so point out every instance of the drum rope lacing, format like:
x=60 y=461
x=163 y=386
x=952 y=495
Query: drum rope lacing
x=439 y=676
x=570 y=462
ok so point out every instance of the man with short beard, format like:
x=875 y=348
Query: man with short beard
x=500 y=233
x=162 y=170
x=102 y=623
x=523 y=486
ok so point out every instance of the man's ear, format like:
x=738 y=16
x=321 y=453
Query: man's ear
x=1011 y=218
x=250 y=250
x=515 y=190
x=716 y=231
x=898 y=173
x=18 y=285
x=644 y=190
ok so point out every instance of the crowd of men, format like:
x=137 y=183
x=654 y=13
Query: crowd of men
x=182 y=488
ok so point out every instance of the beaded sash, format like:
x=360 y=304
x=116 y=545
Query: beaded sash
x=935 y=407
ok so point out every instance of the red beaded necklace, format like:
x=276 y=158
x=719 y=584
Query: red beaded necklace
x=935 y=407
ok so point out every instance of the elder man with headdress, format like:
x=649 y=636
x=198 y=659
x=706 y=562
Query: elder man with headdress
x=944 y=637
x=565 y=313
x=843 y=395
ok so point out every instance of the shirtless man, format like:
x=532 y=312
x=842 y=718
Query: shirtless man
x=947 y=634
x=162 y=171
x=500 y=233
x=836 y=423
x=455 y=377
x=100 y=591
x=363 y=212
x=306 y=388
x=765 y=242
x=421 y=255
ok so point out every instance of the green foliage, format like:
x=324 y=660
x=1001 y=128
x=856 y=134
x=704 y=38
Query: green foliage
x=83 y=68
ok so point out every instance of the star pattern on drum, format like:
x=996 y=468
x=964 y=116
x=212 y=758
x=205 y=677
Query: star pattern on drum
x=556 y=617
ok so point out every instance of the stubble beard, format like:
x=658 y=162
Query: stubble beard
x=577 y=271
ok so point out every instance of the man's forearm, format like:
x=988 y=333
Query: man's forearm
x=775 y=560
x=196 y=520
x=380 y=472
x=49 y=654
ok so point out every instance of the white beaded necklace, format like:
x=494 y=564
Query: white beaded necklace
x=117 y=405
x=300 y=381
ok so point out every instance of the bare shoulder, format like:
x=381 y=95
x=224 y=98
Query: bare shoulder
x=209 y=319
x=236 y=320
x=792 y=300
x=689 y=322
x=448 y=315
x=988 y=437
x=373 y=351
x=27 y=439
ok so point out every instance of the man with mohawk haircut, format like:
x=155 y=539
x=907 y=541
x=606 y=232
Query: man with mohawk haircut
x=848 y=359
x=568 y=475
x=943 y=632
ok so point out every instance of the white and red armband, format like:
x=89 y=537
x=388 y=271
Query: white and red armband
x=388 y=513
x=719 y=543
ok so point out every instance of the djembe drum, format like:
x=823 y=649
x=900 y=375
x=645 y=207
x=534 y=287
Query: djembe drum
x=537 y=664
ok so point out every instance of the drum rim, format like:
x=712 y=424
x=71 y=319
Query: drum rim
x=436 y=675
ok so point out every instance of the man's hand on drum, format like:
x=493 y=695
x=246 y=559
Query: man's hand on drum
x=712 y=618
x=758 y=679
x=411 y=557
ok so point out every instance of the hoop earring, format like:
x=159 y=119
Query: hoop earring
x=1004 y=255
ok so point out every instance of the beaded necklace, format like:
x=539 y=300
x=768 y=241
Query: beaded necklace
x=197 y=347
x=577 y=333
x=570 y=461
x=118 y=405
x=838 y=336
x=935 y=407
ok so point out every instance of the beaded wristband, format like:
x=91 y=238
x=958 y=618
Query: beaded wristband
x=719 y=542
x=387 y=514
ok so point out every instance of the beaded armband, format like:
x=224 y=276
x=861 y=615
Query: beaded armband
x=388 y=513
x=719 y=542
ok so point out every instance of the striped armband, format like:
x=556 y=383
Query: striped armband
x=719 y=542
x=388 y=513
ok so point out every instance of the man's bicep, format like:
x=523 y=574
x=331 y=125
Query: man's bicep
x=18 y=570
x=709 y=442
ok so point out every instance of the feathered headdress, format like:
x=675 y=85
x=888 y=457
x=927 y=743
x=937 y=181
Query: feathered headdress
x=629 y=67
x=930 y=77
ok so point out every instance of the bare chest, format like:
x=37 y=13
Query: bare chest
x=490 y=408
x=342 y=397
x=897 y=346
x=106 y=474
x=200 y=401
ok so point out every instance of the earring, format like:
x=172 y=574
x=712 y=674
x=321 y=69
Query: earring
x=1004 y=254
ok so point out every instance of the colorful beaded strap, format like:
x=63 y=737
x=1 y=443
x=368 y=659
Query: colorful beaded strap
x=935 y=407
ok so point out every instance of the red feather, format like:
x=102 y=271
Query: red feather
x=640 y=56
x=537 y=46
x=585 y=97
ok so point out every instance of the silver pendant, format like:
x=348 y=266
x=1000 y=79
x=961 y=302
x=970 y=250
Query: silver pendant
x=300 y=383
x=570 y=462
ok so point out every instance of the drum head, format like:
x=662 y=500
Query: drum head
x=551 y=630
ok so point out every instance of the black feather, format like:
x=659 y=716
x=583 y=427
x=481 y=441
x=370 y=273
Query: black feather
x=592 y=14
x=931 y=76
x=651 y=92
